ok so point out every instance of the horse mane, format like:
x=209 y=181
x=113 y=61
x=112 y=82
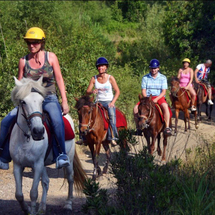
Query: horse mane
x=84 y=100
x=175 y=79
x=28 y=85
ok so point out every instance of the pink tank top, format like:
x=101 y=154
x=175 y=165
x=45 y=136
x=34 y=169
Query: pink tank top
x=184 y=79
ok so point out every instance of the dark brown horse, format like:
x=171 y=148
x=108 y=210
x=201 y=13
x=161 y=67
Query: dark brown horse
x=92 y=127
x=179 y=101
x=203 y=99
x=151 y=123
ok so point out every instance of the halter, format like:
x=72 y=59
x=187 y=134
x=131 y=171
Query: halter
x=177 y=90
x=28 y=119
x=151 y=115
x=90 y=119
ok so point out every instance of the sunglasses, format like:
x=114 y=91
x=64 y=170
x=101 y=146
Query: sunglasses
x=33 y=42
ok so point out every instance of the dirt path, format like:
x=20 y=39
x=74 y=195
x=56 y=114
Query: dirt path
x=57 y=195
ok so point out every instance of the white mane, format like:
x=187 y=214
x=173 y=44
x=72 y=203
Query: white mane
x=24 y=88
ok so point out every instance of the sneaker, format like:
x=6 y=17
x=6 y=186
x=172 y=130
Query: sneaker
x=79 y=142
x=62 y=161
x=193 y=108
x=210 y=102
x=3 y=165
x=113 y=143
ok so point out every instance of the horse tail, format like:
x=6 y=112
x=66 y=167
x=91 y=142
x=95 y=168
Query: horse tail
x=79 y=174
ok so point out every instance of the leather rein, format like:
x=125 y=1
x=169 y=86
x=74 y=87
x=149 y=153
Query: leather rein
x=88 y=125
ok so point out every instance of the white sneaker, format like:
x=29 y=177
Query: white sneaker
x=113 y=143
x=3 y=165
x=62 y=161
x=210 y=102
x=193 y=108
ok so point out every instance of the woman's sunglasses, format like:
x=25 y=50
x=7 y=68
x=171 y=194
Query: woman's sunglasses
x=33 y=42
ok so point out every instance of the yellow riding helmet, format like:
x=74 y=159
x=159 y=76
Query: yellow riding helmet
x=186 y=60
x=35 y=33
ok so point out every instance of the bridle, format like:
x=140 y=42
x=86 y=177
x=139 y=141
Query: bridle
x=176 y=91
x=150 y=117
x=28 y=118
x=88 y=125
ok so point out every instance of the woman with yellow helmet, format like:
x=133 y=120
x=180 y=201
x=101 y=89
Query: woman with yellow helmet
x=35 y=64
x=185 y=76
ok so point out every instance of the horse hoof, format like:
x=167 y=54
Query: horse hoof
x=197 y=126
x=104 y=171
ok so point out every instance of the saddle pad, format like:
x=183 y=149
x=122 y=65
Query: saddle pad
x=205 y=89
x=69 y=133
x=161 y=112
x=120 y=118
x=188 y=96
x=213 y=90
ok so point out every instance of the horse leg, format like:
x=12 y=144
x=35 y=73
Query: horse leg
x=152 y=146
x=164 y=147
x=176 y=119
x=108 y=154
x=147 y=136
x=93 y=153
x=188 y=118
x=38 y=170
x=45 y=185
x=210 y=111
x=17 y=171
x=98 y=147
x=159 y=149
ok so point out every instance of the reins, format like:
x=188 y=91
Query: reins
x=90 y=119
x=151 y=114
x=177 y=90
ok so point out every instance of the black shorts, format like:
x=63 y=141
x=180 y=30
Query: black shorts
x=207 y=83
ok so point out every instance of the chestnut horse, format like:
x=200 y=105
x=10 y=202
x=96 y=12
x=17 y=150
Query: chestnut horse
x=179 y=101
x=151 y=123
x=92 y=127
x=203 y=99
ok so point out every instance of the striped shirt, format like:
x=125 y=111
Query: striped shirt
x=202 y=72
x=154 y=86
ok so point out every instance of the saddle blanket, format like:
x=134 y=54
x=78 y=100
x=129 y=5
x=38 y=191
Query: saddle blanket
x=120 y=118
x=69 y=133
x=205 y=89
x=188 y=96
x=160 y=111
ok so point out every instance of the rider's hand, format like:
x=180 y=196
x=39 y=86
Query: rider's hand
x=65 y=108
x=111 y=104
x=155 y=100
x=95 y=91
x=197 y=81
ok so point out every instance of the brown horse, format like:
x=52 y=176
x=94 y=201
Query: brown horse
x=92 y=127
x=179 y=101
x=151 y=123
x=203 y=99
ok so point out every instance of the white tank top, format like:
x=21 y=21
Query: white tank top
x=105 y=92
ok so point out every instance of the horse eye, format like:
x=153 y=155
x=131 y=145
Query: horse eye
x=22 y=102
x=89 y=112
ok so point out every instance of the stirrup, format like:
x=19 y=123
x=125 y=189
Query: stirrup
x=113 y=143
x=62 y=161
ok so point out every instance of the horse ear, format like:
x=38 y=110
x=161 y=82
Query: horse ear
x=40 y=80
x=92 y=99
x=76 y=99
x=17 y=82
x=140 y=96
x=150 y=97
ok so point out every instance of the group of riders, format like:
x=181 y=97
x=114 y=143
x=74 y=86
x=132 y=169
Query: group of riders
x=42 y=63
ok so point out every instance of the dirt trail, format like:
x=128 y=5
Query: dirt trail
x=57 y=195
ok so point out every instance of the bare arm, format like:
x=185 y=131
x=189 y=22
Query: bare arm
x=116 y=89
x=53 y=60
x=179 y=74
x=21 y=68
x=144 y=92
x=191 y=77
x=196 y=79
x=90 y=87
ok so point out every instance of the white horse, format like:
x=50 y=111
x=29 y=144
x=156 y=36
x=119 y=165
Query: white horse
x=29 y=143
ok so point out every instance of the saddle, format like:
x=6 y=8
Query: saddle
x=205 y=88
x=120 y=118
x=161 y=112
x=187 y=93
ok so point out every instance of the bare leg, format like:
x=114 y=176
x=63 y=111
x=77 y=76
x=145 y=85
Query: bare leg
x=166 y=113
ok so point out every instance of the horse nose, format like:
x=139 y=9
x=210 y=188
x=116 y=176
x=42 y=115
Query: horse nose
x=37 y=133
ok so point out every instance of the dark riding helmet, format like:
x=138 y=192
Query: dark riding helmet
x=154 y=63
x=102 y=61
